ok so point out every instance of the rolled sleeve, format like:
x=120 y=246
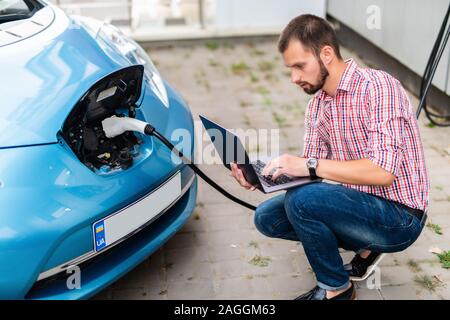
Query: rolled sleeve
x=387 y=124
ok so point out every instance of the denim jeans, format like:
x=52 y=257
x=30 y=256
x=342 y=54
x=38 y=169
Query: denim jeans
x=325 y=217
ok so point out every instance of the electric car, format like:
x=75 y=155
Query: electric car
x=79 y=210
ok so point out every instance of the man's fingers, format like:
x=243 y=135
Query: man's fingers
x=268 y=168
x=242 y=180
x=239 y=176
x=278 y=173
x=275 y=163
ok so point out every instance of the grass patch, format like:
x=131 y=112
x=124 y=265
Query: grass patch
x=414 y=266
x=279 y=119
x=253 y=244
x=260 y=261
x=440 y=188
x=213 y=63
x=267 y=101
x=444 y=259
x=200 y=77
x=271 y=77
x=435 y=228
x=257 y=52
x=239 y=68
x=427 y=282
x=253 y=78
x=431 y=125
x=263 y=91
x=266 y=66
x=244 y=104
x=247 y=121
x=212 y=45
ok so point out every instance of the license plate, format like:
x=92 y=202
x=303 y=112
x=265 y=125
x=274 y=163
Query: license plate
x=119 y=225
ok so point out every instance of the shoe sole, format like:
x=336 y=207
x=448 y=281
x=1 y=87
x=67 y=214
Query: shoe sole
x=370 y=269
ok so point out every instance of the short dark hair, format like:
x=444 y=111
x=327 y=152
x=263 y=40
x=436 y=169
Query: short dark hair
x=313 y=32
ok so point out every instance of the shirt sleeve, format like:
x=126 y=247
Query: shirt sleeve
x=387 y=123
x=313 y=145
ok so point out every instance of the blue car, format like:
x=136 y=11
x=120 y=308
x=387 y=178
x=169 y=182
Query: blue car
x=78 y=210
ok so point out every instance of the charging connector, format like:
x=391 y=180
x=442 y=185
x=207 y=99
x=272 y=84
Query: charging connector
x=115 y=126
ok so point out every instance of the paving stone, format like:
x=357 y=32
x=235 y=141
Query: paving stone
x=233 y=288
x=189 y=271
x=408 y=292
x=209 y=257
x=130 y=294
x=224 y=252
x=292 y=285
x=190 y=290
x=368 y=294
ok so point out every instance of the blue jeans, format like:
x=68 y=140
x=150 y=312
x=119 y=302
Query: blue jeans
x=325 y=217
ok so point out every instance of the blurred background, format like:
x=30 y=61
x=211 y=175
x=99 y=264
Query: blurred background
x=221 y=55
x=397 y=35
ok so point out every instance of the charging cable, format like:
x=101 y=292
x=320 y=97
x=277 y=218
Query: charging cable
x=115 y=126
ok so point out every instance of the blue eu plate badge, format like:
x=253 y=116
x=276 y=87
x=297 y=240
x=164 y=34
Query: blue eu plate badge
x=99 y=233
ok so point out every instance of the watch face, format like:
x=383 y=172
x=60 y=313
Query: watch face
x=312 y=163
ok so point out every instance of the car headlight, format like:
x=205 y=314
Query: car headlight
x=136 y=55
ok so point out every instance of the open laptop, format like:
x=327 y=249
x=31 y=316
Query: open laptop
x=224 y=141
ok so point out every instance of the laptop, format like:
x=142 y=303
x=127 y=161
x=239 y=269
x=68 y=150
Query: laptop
x=224 y=140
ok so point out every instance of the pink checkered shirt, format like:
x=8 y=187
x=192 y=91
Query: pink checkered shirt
x=370 y=117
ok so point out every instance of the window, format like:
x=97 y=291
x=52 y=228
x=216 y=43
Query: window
x=11 y=10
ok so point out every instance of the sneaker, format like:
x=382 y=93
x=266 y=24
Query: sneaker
x=360 y=269
x=321 y=294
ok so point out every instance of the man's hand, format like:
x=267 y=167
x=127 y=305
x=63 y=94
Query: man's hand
x=239 y=176
x=286 y=164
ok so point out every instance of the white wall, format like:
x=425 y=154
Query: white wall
x=263 y=13
x=408 y=30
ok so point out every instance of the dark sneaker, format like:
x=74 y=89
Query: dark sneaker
x=360 y=269
x=321 y=294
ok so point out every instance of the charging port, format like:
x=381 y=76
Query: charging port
x=116 y=94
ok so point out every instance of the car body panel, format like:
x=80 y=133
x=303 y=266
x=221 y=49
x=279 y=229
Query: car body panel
x=44 y=76
x=49 y=199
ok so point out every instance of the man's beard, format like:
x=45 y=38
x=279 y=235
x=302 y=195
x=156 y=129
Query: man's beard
x=312 y=89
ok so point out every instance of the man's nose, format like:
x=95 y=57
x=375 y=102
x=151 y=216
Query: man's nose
x=296 y=77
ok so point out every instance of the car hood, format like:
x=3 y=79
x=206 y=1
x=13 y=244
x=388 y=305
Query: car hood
x=42 y=78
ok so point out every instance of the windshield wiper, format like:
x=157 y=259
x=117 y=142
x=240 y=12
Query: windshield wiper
x=14 y=17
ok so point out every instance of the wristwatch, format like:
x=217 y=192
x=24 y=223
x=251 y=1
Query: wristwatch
x=312 y=164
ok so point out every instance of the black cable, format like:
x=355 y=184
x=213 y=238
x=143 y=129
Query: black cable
x=151 y=131
x=430 y=70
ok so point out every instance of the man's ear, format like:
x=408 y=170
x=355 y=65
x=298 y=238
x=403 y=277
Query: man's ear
x=327 y=55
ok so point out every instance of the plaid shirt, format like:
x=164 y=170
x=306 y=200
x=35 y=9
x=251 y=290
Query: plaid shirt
x=370 y=117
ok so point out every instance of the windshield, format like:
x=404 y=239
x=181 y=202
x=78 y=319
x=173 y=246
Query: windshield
x=11 y=10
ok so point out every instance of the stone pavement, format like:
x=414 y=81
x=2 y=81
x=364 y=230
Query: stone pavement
x=219 y=254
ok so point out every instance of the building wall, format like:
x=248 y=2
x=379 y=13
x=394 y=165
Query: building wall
x=266 y=13
x=408 y=30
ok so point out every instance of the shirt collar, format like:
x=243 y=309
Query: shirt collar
x=345 y=83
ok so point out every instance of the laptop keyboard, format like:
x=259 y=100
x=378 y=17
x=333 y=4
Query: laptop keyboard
x=259 y=166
